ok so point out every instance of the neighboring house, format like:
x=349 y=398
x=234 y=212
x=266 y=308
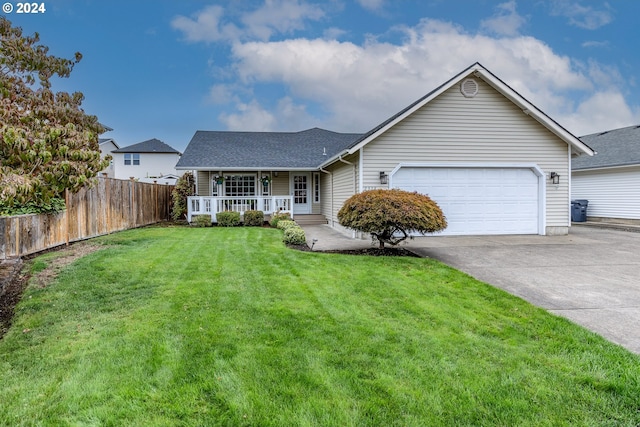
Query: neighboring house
x=147 y=161
x=107 y=145
x=484 y=153
x=610 y=181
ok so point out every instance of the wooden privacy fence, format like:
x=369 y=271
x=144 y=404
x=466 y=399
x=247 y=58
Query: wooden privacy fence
x=111 y=205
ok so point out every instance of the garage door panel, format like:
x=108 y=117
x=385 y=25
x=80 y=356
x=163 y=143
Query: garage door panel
x=478 y=200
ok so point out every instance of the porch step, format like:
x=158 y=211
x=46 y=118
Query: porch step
x=310 y=219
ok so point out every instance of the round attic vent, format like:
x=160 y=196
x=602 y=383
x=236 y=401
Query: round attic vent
x=469 y=88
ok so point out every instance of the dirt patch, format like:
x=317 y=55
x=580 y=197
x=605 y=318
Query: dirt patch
x=67 y=256
x=17 y=282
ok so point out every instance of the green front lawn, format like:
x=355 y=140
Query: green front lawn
x=226 y=326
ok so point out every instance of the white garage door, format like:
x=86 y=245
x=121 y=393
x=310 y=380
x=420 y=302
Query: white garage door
x=478 y=201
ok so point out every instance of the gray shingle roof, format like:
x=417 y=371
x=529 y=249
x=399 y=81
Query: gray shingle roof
x=618 y=147
x=307 y=149
x=149 y=146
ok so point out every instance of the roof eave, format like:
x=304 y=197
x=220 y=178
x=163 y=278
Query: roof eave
x=598 y=168
x=247 y=169
x=334 y=159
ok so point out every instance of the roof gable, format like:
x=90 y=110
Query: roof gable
x=150 y=146
x=102 y=142
x=614 y=148
x=477 y=71
x=215 y=150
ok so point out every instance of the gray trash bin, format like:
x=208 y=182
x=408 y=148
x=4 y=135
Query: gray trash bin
x=579 y=210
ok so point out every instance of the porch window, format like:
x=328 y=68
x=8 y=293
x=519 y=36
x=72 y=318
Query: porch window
x=240 y=185
x=131 y=159
x=316 y=188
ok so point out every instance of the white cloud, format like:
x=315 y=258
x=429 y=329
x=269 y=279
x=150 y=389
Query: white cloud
x=595 y=44
x=363 y=85
x=506 y=22
x=601 y=111
x=221 y=94
x=206 y=26
x=582 y=16
x=357 y=86
x=252 y=116
x=333 y=33
x=280 y=16
x=212 y=24
x=373 y=5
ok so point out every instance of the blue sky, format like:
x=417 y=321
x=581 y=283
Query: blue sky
x=166 y=68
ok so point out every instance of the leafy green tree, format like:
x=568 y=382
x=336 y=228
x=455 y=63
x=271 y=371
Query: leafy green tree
x=390 y=215
x=185 y=187
x=47 y=142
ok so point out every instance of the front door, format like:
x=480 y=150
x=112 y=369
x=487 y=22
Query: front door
x=301 y=198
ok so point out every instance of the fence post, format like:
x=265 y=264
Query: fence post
x=134 y=211
x=107 y=203
x=18 y=252
x=67 y=207
x=155 y=203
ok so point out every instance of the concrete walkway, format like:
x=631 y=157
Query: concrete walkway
x=591 y=276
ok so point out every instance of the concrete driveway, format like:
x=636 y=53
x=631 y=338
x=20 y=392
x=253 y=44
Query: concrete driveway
x=591 y=276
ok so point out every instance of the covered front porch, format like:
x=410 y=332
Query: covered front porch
x=293 y=192
x=211 y=205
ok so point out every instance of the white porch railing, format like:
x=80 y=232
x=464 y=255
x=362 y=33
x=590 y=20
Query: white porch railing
x=209 y=205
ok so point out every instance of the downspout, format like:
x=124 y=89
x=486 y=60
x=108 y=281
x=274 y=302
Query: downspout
x=331 y=184
x=343 y=160
x=569 y=176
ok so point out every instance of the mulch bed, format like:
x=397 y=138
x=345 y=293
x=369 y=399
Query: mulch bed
x=11 y=288
x=365 y=251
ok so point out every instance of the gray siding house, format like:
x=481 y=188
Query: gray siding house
x=493 y=161
x=610 y=181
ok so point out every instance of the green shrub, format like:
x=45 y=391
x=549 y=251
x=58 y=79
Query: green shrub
x=294 y=236
x=185 y=187
x=389 y=215
x=283 y=224
x=228 y=219
x=201 y=220
x=254 y=218
x=277 y=217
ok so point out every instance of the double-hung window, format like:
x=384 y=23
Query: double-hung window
x=131 y=159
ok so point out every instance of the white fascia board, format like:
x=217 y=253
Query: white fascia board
x=606 y=168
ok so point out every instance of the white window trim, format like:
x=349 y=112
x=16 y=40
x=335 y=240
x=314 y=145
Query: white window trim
x=316 y=188
x=251 y=175
x=132 y=157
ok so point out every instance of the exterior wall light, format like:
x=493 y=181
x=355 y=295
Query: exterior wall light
x=384 y=178
x=555 y=178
